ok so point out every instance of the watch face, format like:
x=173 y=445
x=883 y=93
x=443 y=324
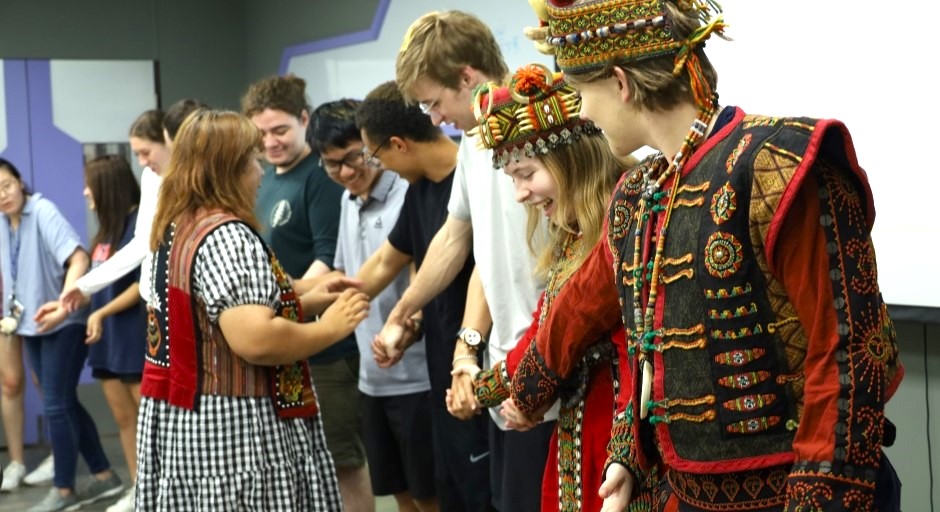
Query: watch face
x=472 y=338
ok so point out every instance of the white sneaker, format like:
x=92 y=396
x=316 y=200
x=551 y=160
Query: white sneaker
x=125 y=504
x=12 y=476
x=43 y=473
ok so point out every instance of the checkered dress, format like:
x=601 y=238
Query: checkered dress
x=232 y=453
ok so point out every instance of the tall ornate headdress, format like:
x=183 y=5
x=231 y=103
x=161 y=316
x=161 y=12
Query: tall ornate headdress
x=589 y=35
x=536 y=113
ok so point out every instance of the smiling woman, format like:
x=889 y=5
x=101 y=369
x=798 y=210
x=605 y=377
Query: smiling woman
x=250 y=379
x=563 y=169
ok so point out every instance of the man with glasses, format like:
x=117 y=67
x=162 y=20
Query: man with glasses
x=395 y=400
x=425 y=156
x=298 y=207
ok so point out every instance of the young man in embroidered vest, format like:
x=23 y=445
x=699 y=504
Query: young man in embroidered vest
x=401 y=138
x=740 y=258
x=443 y=57
x=396 y=413
x=298 y=207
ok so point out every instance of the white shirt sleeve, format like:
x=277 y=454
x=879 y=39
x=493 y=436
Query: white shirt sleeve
x=131 y=255
x=459 y=204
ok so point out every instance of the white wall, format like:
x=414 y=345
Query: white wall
x=871 y=68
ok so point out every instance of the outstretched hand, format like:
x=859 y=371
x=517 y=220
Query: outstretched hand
x=72 y=298
x=461 y=400
x=516 y=419
x=616 y=489
x=49 y=316
x=318 y=298
x=350 y=308
x=390 y=344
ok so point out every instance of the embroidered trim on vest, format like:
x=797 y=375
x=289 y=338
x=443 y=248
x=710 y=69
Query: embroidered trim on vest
x=866 y=356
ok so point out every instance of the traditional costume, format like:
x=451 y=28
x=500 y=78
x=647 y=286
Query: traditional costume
x=216 y=431
x=537 y=113
x=760 y=351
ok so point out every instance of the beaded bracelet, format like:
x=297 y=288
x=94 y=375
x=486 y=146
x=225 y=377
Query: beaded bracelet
x=462 y=358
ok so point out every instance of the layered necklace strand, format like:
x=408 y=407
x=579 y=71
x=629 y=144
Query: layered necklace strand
x=653 y=180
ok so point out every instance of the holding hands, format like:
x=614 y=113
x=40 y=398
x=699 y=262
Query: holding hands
x=350 y=308
x=50 y=315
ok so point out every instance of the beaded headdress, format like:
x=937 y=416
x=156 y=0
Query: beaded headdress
x=536 y=113
x=589 y=35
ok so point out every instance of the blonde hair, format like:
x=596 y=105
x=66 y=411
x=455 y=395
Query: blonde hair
x=585 y=173
x=439 y=45
x=652 y=82
x=211 y=154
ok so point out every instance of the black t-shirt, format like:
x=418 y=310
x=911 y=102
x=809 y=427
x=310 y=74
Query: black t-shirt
x=422 y=215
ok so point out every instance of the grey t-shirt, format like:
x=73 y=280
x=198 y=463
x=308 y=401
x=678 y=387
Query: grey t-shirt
x=363 y=228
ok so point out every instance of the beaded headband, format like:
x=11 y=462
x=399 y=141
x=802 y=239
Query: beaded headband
x=590 y=35
x=536 y=113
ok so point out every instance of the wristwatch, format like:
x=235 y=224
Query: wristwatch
x=472 y=337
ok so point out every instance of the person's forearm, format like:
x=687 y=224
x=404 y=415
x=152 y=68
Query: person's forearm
x=477 y=312
x=317 y=268
x=259 y=336
x=127 y=299
x=445 y=258
x=77 y=266
x=382 y=268
x=127 y=259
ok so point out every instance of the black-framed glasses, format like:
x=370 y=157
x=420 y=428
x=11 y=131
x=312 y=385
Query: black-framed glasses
x=373 y=159
x=427 y=107
x=333 y=167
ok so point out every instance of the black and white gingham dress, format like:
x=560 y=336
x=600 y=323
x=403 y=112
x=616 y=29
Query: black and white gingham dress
x=232 y=453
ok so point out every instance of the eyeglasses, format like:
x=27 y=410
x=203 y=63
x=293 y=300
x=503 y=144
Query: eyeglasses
x=333 y=167
x=427 y=107
x=372 y=159
x=8 y=187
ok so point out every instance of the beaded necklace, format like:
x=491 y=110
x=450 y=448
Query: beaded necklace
x=568 y=252
x=643 y=334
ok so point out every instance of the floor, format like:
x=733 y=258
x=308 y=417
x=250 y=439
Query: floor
x=90 y=395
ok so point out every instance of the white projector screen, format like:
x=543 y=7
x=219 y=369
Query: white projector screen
x=873 y=69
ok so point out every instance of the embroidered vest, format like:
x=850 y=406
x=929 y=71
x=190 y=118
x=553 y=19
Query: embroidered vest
x=201 y=361
x=728 y=352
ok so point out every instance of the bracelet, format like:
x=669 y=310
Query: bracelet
x=463 y=358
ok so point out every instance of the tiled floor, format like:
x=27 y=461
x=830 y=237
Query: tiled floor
x=90 y=395
x=24 y=497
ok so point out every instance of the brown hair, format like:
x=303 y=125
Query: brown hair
x=116 y=193
x=652 y=83
x=213 y=151
x=439 y=45
x=585 y=173
x=148 y=126
x=284 y=93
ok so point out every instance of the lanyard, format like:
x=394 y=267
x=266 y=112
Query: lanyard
x=14 y=257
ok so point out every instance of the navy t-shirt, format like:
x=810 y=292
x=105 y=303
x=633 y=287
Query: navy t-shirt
x=422 y=215
x=121 y=347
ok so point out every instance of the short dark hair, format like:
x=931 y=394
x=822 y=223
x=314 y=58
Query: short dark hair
x=177 y=113
x=385 y=113
x=333 y=125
